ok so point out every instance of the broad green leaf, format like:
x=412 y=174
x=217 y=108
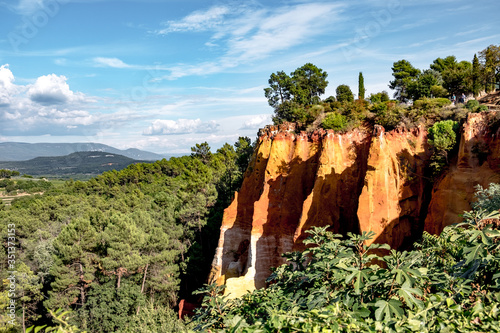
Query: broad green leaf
x=473 y=253
x=407 y=292
x=388 y=309
x=450 y=302
x=358 y=275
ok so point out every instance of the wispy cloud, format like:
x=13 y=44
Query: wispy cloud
x=249 y=34
x=476 y=40
x=197 y=21
x=110 y=62
x=181 y=126
x=429 y=41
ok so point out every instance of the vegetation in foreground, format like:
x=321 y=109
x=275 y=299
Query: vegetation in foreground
x=446 y=283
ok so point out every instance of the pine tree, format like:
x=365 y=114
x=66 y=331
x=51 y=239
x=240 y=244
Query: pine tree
x=361 y=87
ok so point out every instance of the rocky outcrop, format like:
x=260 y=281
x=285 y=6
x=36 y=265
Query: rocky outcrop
x=477 y=163
x=363 y=180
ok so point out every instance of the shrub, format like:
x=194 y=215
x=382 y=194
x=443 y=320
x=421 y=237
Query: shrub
x=388 y=114
x=488 y=199
x=472 y=104
x=289 y=111
x=443 y=137
x=335 y=121
x=428 y=104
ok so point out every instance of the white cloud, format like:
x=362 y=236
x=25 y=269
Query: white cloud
x=47 y=106
x=52 y=89
x=257 y=122
x=110 y=62
x=181 y=126
x=6 y=85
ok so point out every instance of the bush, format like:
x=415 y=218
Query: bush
x=335 y=121
x=443 y=137
x=379 y=97
x=488 y=199
x=472 y=104
x=291 y=112
x=428 y=104
x=388 y=114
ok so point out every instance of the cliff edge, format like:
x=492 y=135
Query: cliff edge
x=362 y=180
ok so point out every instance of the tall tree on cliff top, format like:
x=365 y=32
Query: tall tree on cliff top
x=279 y=90
x=361 y=86
x=309 y=82
x=404 y=73
x=456 y=76
x=476 y=76
x=290 y=95
x=490 y=59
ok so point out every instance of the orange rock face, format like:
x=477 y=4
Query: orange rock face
x=363 y=180
x=393 y=194
x=478 y=163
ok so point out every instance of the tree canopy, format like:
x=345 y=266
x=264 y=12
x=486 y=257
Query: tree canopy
x=290 y=95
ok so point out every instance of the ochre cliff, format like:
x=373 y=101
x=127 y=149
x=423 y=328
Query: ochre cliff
x=363 y=180
x=477 y=163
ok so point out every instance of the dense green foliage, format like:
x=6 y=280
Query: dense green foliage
x=446 y=283
x=404 y=74
x=120 y=249
x=443 y=138
x=344 y=93
x=291 y=96
x=335 y=121
x=5 y=173
x=447 y=76
x=490 y=71
x=422 y=96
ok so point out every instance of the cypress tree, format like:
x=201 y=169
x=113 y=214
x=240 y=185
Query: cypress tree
x=476 y=76
x=361 y=86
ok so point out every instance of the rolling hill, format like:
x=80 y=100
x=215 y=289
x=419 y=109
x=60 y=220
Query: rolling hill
x=19 y=151
x=80 y=163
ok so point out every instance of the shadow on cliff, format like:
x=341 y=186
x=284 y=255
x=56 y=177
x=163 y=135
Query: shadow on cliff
x=299 y=199
x=237 y=238
x=415 y=196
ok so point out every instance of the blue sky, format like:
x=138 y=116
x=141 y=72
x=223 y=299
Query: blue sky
x=165 y=75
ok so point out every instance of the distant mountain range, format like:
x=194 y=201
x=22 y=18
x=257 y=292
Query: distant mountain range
x=80 y=163
x=18 y=151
